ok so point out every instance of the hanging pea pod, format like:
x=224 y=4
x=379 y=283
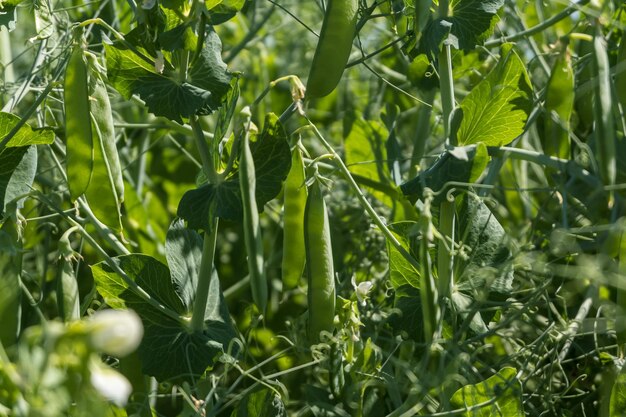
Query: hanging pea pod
x=79 y=141
x=319 y=261
x=333 y=48
x=604 y=125
x=93 y=166
x=293 y=235
x=252 y=227
x=559 y=106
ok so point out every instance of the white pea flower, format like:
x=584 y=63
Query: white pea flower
x=362 y=290
x=115 y=332
x=159 y=62
x=109 y=383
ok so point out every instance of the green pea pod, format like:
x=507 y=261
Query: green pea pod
x=293 y=234
x=252 y=227
x=319 y=261
x=333 y=48
x=100 y=107
x=79 y=141
x=67 y=292
x=604 y=125
x=106 y=187
x=559 y=105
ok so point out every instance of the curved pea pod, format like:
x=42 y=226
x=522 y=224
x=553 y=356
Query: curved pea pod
x=293 y=234
x=252 y=227
x=319 y=261
x=79 y=141
x=333 y=47
x=559 y=106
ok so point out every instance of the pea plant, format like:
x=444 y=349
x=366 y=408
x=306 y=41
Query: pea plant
x=312 y=208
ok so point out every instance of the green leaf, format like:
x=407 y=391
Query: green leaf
x=401 y=272
x=407 y=318
x=222 y=11
x=471 y=23
x=500 y=394
x=617 y=403
x=496 y=110
x=461 y=164
x=26 y=135
x=183 y=249
x=18 y=167
x=261 y=403
x=488 y=264
x=272 y=161
x=165 y=95
x=169 y=349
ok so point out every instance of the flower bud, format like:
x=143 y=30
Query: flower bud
x=115 y=332
x=109 y=383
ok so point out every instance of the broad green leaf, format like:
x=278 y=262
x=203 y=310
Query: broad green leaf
x=18 y=167
x=617 y=404
x=401 y=272
x=177 y=34
x=169 y=349
x=471 y=23
x=559 y=106
x=487 y=266
x=272 y=161
x=183 y=249
x=495 y=111
x=261 y=403
x=26 y=135
x=223 y=10
x=407 y=318
x=461 y=164
x=497 y=396
x=165 y=95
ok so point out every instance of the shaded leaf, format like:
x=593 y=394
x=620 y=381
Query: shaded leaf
x=471 y=23
x=272 y=161
x=401 y=272
x=207 y=83
x=18 y=167
x=169 y=348
x=461 y=164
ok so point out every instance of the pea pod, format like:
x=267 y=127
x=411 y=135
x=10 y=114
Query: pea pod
x=333 y=47
x=79 y=150
x=559 y=106
x=67 y=292
x=293 y=235
x=252 y=227
x=319 y=261
x=93 y=166
x=604 y=124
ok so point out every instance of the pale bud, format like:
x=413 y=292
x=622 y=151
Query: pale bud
x=115 y=332
x=109 y=383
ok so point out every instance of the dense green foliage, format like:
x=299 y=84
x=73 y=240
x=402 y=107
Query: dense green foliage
x=436 y=229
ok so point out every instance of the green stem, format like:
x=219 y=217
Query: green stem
x=445 y=257
x=368 y=207
x=204 y=279
x=203 y=149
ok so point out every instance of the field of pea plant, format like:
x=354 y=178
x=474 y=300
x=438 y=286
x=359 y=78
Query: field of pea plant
x=312 y=208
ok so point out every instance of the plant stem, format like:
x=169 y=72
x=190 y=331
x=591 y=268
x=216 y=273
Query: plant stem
x=203 y=149
x=445 y=257
x=204 y=278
